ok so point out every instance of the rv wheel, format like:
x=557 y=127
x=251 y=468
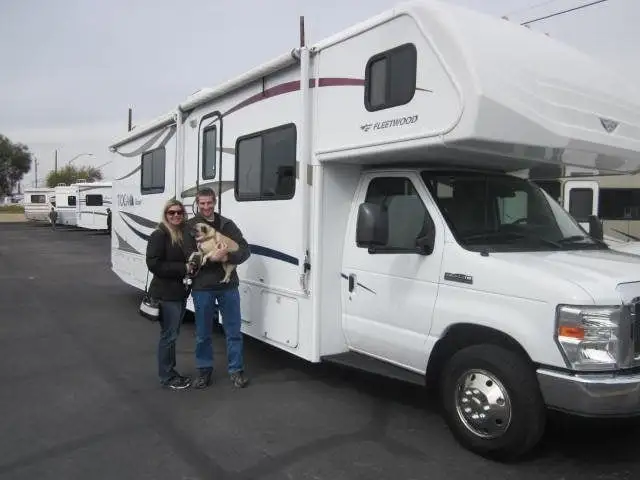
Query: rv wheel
x=492 y=402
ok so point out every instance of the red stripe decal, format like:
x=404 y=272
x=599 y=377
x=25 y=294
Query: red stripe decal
x=294 y=86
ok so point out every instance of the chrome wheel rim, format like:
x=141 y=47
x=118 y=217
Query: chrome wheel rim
x=483 y=404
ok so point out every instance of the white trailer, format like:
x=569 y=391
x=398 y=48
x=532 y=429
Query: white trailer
x=37 y=203
x=66 y=198
x=94 y=204
x=370 y=174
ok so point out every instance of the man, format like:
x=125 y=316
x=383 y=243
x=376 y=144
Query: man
x=109 y=221
x=206 y=289
x=53 y=217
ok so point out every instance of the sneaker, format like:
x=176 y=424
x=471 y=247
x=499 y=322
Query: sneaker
x=178 y=383
x=239 y=380
x=202 y=381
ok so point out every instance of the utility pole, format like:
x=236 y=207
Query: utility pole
x=36 y=159
x=130 y=118
x=55 y=164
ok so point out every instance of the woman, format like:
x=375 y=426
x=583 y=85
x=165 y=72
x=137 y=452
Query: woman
x=166 y=260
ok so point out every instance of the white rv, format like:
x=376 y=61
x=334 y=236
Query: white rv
x=66 y=198
x=93 y=204
x=37 y=203
x=370 y=174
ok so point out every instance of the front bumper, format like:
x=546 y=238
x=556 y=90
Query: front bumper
x=591 y=395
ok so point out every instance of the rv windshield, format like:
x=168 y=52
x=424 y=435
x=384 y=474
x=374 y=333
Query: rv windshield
x=503 y=213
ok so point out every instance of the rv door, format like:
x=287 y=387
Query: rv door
x=391 y=268
x=580 y=199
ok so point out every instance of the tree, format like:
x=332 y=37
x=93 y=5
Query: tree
x=15 y=161
x=70 y=174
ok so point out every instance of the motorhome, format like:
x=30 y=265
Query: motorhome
x=66 y=198
x=37 y=203
x=371 y=173
x=94 y=204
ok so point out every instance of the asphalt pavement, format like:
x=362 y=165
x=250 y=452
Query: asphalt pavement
x=79 y=397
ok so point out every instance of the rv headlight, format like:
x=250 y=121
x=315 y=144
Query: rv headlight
x=589 y=337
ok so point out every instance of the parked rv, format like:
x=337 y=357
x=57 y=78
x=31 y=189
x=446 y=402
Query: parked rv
x=372 y=175
x=66 y=198
x=613 y=198
x=37 y=203
x=93 y=205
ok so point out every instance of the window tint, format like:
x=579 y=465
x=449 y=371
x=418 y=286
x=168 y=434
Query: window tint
x=209 y=153
x=71 y=200
x=390 y=78
x=265 y=165
x=38 y=199
x=477 y=204
x=581 y=203
x=407 y=214
x=93 y=200
x=153 y=171
x=619 y=204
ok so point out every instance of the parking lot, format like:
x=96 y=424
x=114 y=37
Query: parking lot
x=79 y=397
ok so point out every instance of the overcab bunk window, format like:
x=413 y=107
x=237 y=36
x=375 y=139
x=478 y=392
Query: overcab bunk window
x=153 y=168
x=209 y=153
x=390 y=78
x=266 y=165
x=94 y=200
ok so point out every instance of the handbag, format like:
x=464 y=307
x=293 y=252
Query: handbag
x=149 y=307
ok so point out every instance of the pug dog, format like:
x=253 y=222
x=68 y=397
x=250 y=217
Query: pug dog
x=209 y=241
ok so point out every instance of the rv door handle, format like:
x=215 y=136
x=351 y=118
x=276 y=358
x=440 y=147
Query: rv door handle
x=352 y=282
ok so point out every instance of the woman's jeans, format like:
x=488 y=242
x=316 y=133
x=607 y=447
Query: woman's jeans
x=171 y=315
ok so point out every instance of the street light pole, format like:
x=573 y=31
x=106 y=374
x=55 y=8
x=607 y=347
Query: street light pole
x=79 y=155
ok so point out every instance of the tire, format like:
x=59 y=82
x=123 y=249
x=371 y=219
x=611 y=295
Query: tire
x=502 y=386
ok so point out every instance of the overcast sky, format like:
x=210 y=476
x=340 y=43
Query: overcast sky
x=71 y=68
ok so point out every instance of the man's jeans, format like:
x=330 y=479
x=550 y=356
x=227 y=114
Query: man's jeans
x=171 y=315
x=229 y=306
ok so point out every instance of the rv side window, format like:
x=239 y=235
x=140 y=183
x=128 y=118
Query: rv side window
x=581 y=203
x=390 y=78
x=209 y=153
x=153 y=168
x=265 y=165
x=94 y=200
x=619 y=204
x=71 y=200
x=407 y=214
x=38 y=199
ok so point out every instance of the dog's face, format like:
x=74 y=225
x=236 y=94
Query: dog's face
x=203 y=231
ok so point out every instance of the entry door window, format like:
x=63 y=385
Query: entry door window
x=407 y=213
x=581 y=203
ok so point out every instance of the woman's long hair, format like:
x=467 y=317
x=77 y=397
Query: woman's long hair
x=174 y=232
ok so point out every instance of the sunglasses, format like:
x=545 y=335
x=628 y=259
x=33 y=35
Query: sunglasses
x=174 y=212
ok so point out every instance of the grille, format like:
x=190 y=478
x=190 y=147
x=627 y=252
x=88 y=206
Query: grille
x=634 y=310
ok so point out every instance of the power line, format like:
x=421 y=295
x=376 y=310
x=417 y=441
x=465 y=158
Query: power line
x=530 y=7
x=563 y=12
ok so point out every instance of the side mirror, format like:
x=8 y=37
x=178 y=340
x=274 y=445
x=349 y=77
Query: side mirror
x=595 y=228
x=372 y=228
x=426 y=242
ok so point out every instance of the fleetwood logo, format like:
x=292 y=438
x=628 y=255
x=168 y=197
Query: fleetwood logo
x=128 y=200
x=395 y=122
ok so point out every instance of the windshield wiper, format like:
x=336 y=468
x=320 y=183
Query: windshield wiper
x=519 y=235
x=581 y=238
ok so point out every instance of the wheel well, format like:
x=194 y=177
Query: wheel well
x=464 y=335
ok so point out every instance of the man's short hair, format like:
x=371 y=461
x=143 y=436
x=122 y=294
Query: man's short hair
x=206 y=192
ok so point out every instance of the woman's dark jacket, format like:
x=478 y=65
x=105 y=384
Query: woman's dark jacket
x=168 y=264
